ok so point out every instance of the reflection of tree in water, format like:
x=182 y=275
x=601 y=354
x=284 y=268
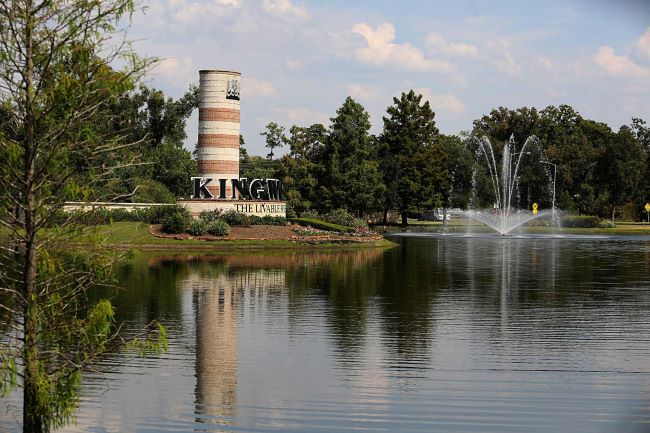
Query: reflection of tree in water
x=410 y=284
x=348 y=281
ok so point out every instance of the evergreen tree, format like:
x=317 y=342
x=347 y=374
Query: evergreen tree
x=351 y=170
x=414 y=163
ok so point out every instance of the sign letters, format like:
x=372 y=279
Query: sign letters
x=257 y=189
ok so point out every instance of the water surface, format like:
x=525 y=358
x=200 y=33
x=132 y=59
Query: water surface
x=443 y=333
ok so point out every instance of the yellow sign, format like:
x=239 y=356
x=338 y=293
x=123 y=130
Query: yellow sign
x=535 y=206
x=647 y=207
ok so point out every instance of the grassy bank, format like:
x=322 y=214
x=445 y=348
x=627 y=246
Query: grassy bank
x=134 y=235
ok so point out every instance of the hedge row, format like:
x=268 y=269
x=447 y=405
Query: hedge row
x=102 y=216
x=580 y=221
x=322 y=225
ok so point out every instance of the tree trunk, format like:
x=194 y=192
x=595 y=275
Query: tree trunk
x=404 y=219
x=32 y=418
x=613 y=212
x=385 y=216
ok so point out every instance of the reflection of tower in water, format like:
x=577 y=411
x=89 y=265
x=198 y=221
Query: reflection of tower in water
x=216 y=347
x=216 y=297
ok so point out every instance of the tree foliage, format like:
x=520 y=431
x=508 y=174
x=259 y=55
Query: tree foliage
x=414 y=162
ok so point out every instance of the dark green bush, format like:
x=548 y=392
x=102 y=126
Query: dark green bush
x=176 y=222
x=197 y=227
x=235 y=218
x=218 y=228
x=156 y=214
x=580 y=221
x=320 y=224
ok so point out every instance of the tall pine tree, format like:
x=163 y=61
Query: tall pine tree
x=413 y=161
x=352 y=178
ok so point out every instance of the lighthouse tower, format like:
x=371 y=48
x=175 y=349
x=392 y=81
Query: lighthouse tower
x=218 y=144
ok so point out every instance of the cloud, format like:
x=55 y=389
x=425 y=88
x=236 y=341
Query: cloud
x=457 y=49
x=381 y=51
x=188 y=12
x=643 y=43
x=362 y=92
x=294 y=64
x=505 y=61
x=447 y=103
x=178 y=72
x=284 y=8
x=256 y=88
x=618 y=66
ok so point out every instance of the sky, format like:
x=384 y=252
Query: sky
x=300 y=59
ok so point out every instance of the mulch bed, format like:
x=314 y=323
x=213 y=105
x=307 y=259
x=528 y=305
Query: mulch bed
x=267 y=232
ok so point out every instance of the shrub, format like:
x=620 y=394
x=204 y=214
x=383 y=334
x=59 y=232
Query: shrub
x=218 y=228
x=291 y=213
x=157 y=214
x=151 y=191
x=607 y=224
x=580 y=221
x=342 y=217
x=210 y=215
x=176 y=222
x=320 y=224
x=235 y=218
x=197 y=227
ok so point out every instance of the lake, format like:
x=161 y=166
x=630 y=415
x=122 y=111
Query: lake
x=443 y=333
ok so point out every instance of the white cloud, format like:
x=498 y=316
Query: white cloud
x=362 y=92
x=178 y=72
x=447 y=103
x=382 y=51
x=256 y=88
x=285 y=8
x=618 y=66
x=188 y=12
x=505 y=61
x=457 y=49
x=232 y=3
x=643 y=43
x=294 y=64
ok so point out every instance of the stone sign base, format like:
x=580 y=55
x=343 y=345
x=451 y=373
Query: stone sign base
x=248 y=207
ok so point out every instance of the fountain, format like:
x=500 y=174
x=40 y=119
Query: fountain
x=504 y=217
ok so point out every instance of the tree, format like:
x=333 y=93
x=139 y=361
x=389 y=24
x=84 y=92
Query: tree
x=620 y=168
x=460 y=163
x=157 y=125
x=275 y=137
x=642 y=134
x=414 y=162
x=58 y=90
x=351 y=177
x=299 y=169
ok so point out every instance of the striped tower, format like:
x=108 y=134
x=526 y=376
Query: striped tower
x=218 y=145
